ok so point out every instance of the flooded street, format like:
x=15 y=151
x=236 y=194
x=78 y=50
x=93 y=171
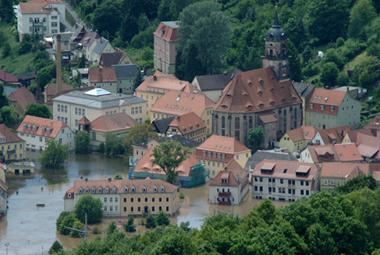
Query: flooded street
x=30 y=230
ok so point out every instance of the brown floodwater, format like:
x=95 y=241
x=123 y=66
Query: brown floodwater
x=28 y=229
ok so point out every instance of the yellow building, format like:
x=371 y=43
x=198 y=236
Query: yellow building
x=12 y=147
x=297 y=139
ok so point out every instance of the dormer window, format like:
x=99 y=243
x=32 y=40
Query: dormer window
x=133 y=189
x=155 y=189
x=144 y=189
x=126 y=189
x=106 y=190
x=100 y=190
x=162 y=189
x=93 y=190
x=113 y=189
x=81 y=190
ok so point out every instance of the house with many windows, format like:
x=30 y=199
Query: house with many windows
x=12 y=147
x=71 y=107
x=36 y=132
x=229 y=186
x=122 y=198
x=217 y=151
x=283 y=180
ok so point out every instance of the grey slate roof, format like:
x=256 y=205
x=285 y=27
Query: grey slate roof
x=303 y=89
x=99 y=102
x=100 y=45
x=112 y=58
x=260 y=155
x=172 y=24
x=162 y=125
x=126 y=71
x=213 y=82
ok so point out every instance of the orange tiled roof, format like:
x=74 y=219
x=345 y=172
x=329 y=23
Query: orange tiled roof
x=111 y=123
x=104 y=74
x=177 y=103
x=343 y=170
x=51 y=89
x=168 y=33
x=38 y=6
x=187 y=122
x=234 y=174
x=334 y=152
x=374 y=123
x=145 y=164
x=302 y=133
x=40 y=126
x=161 y=83
x=327 y=97
x=224 y=144
x=255 y=91
x=8 y=77
x=334 y=135
x=8 y=136
x=22 y=97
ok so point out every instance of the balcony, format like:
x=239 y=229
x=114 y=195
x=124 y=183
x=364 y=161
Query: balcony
x=224 y=194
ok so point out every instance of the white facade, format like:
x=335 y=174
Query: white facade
x=35 y=142
x=45 y=23
x=305 y=156
x=236 y=194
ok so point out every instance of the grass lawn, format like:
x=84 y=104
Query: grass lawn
x=14 y=63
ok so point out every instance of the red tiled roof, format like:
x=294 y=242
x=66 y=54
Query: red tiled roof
x=22 y=97
x=343 y=170
x=348 y=152
x=40 y=126
x=224 y=144
x=234 y=174
x=145 y=164
x=302 y=133
x=187 y=122
x=8 y=77
x=8 y=136
x=112 y=123
x=327 y=97
x=104 y=74
x=177 y=103
x=334 y=135
x=166 y=32
x=51 y=89
x=255 y=91
x=374 y=124
x=162 y=83
x=286 y=169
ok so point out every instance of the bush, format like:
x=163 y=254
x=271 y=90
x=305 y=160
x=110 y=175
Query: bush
x=150 y=221
x=90 y=205
x=6 y=50
x=79 y=226
x=329 y=74
x=162 y=219
x=55 y=155
x=55 y=248
x=111 y=228
x=67 y=221
x=82 y=142
x=129 y=226
x=96 y=231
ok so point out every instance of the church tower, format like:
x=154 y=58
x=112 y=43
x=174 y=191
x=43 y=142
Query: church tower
x=276 y=52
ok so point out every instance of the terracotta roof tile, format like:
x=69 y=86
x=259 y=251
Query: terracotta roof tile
x=334 y=135
x=40 y=126
x=51 y=89
x=224 y=144
x=234 y=174
x=302 y=133
x=178 y=103
x=187 y=122
x=22 y=97
x=7 y=136
x=343 y=170
x=104 y=74
x=257 y=90
x=334 y=152
x=161 y=83
x=167 y=31
x=327 y=97
x=8 y=77
x=112 y=123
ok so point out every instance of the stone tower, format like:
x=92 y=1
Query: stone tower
x=276 y=52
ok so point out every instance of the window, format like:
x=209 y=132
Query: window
x=125 y=200
x=105 y=199
x=301 y=191
x=167 y=208
x=160 y=199
x=152 y=199
x=146 y=199
x=301 y=182
x=132 y=200
x=153 y=208
x=307 y=192
x=306 y=183
x=125 y=209
x=132 y=209
x=139 y=200
x=160 y=208
x=261 y=188
x=281 y=181
x=167 y=199
x=255 y=188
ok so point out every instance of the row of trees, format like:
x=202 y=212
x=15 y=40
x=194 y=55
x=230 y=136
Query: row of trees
x=326 y=223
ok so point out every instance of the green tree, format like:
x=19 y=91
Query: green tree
x=320 y=241
x=162 y=219
x=9 y=116
x=56 y=248
x=326 y=20
x=39 y=110
x=45 y=75
x=329 y=74
x=202 y=25
x=169 y=155
x=106 y=18
x=111 y=228
x=6 y=50
x=362 y=13
x=3 y=98
x=77 y=227
x=90 y=206
x=55 y=155
x=255 y=138
x=294 y=63
x=367 y=72
x=82 y=142
x=114 y=145
x=65 y=221
x=150 y=221
x=359 y=182
x=6 y=11
x=129 y=226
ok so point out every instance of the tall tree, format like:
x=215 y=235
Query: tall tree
x=329 y=74
x=90 y=206
x=55 y=155
x=82 y=142
x=362 y=13
x=39 y=110
x=206 y=28
x=169 y=155
x=6 y=11
x=107 y=18
x=9 y=116
x=3 y=98
x=255 y=138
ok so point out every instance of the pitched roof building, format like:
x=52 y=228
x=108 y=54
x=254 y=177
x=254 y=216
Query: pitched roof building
x=212 y=85
x=374 y=126
x=257 y=95
x=8 y=78
x=329 y=109
x=109 y=59
x=12 y=147
x=112 y=123
x=22 y=98
x=297 y=139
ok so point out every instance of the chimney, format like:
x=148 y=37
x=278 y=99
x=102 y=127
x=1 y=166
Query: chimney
x=58 y=63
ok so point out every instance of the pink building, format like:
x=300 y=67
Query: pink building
x=165 y=38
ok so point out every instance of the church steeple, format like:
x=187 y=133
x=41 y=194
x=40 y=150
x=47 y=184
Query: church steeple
x=276 y=52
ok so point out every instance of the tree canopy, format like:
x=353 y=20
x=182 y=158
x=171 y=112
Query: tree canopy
x=90 y=206
x=82 y=142
x=39 y=110
x=169 y=155
x=256 y=138
x=54 y=155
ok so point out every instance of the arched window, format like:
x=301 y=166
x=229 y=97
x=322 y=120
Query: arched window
x=223 y=122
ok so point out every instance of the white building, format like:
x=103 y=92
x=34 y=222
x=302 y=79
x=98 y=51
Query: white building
x=229 y=186
x=73 y=106
x=283 y=180
x=36 y=132
x=41 y=17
